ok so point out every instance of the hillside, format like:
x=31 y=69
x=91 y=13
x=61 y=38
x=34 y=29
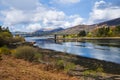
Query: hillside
x=78 y=28
x=75 y=29
x=11 y=70
x=42 y=32
x=112 y=22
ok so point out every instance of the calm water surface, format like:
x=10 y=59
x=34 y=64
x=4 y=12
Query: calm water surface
x=108 y=50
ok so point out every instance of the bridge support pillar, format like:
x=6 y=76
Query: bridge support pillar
x=55 y=37
x=64 y=38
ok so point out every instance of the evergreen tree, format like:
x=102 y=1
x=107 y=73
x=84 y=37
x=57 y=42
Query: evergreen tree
x=82 y=33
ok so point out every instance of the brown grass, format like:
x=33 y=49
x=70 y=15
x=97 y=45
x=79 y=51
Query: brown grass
x=17 y=69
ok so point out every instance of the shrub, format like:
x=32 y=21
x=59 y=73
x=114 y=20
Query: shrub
x=17 y=39
x=66 y=66
x=82 y=33
x=99 y=69
x=89 y=34
x=90 y=72
x=37 y=56
x=4 y=50
x=69 y=66
x=60 y=64
x=26 y=53
x=87 y=72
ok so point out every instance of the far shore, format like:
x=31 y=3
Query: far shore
x=89 y=38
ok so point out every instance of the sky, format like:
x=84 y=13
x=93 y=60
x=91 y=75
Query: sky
x=32 y=15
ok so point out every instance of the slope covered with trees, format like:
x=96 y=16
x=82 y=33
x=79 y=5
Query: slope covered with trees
x=105 y=31
x=6 y=37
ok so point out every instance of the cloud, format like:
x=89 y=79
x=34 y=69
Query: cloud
x=33 y=27
x=73 y=21
x=76 y=19
x=103 y=11
x=66 y=1
x=13 y=16
x=36 y=17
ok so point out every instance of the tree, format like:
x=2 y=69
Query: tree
x=103 y=31
x=117 y=29
x=0 y=28
x=5 y=36
x=82 y=33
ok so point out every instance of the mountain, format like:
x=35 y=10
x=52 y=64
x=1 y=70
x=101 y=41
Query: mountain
x=44 y=31
x=78 y=28
x=112 y=22
x=56 y=30
x=74 y=30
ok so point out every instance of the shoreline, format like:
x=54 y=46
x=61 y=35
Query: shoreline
x=109 y=67
x=88 y=38
x=77 y=55
x=84 y=67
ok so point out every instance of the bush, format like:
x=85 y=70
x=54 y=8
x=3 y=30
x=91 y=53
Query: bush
x=99 y=69
x=82 y=33
x=17 y=39
x=5 y=37
x=66 y=66
x=26 y=53
x=60 y=64
x=4 y=50
x=37 y=57
x=69 y=66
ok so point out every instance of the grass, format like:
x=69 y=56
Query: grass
x=11 y=70
x=51 y=65
x=94 y=73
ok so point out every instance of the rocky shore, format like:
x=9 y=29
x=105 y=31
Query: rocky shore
x=82 y=68
x=92 y=68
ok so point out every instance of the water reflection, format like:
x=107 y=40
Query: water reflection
x=91 y=49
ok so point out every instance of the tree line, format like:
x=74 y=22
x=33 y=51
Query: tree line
x=6 y=37
x=104 y=31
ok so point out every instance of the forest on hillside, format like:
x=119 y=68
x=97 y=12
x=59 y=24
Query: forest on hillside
x=6 y=37
x=100 y=31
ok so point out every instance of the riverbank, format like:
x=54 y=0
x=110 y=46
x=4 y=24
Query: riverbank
x=85 y=66
x=54 y=65
x=87 y=38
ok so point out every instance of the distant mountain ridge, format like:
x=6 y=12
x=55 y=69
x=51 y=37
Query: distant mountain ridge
x=74 y=30
x=78 y=28
x=112 y=22
x=47 y=31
